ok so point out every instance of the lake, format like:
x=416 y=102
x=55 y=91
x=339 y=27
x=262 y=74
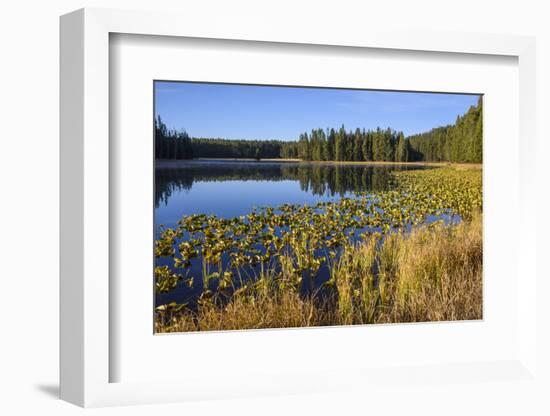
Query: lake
x=230 y=189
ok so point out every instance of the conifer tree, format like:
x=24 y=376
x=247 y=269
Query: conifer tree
x=358 y=146
x=460 y=142
x=367 y=145
x=401 y=151
x=340 y=145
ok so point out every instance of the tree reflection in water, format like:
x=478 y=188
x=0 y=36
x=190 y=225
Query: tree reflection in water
x=318 y=179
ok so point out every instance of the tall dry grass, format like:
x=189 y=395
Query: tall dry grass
x=432 y=273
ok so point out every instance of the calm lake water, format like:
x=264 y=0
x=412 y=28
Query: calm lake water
x=230 y=189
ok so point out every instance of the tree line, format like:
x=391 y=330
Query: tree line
x=176 y=144
x=343 y=145
x=170 y=143
x=237 y=149
x=460 y=142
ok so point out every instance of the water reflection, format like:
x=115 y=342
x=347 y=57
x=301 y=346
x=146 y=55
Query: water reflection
x=313 y=178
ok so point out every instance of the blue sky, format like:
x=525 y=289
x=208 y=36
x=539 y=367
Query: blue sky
x=260 y=112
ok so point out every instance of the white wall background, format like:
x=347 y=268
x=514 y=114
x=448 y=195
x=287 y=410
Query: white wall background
x=29 y=191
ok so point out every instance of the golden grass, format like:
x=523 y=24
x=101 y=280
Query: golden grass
x=283 y=309
x=432 y=273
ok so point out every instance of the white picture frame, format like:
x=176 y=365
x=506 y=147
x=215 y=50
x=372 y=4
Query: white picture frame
x=86 y=354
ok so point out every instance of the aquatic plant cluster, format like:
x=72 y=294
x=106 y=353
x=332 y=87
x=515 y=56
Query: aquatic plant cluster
x=256 y=265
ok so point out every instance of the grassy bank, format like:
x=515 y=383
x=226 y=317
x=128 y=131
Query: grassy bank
x=400 y=269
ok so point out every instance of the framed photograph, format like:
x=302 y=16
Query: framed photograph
x=328 y=227
x=293 y=212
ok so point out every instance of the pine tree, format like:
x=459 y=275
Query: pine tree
x=460 y=142
x=388 y=152
x=367 y=145
x=477 y=142
x=326 y=152
x=348 y=152
x=401 y=151
x=316 y=145
x=303 y=147
x=376 y=145
x=358 y=146
x=340 y=145
x=331 y=145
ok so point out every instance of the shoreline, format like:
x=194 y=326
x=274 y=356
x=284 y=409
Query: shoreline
x=168 y=163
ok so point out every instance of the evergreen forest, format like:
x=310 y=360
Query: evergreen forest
x=461 y=142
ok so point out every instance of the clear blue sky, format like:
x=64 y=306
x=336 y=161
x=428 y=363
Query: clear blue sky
x=259 y=112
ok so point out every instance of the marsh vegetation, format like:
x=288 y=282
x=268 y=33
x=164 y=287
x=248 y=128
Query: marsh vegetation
x=404 y=248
